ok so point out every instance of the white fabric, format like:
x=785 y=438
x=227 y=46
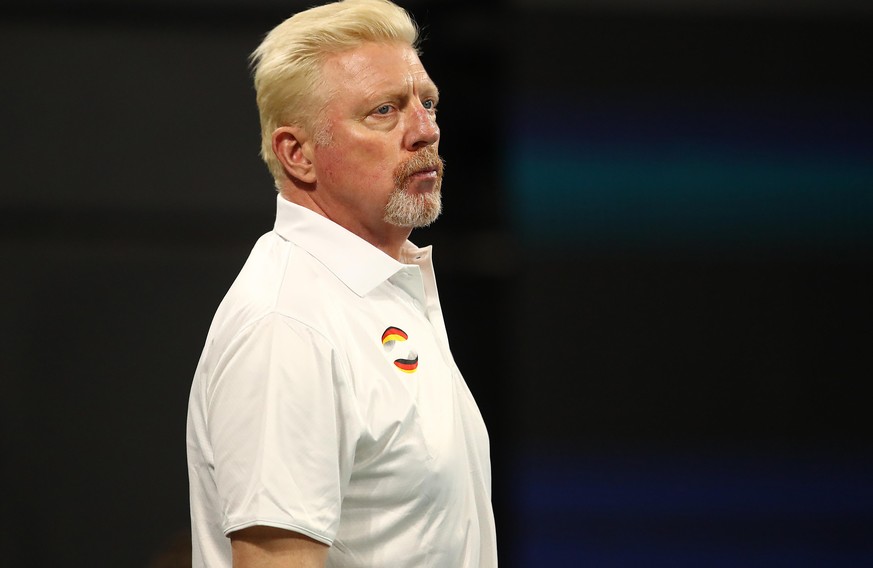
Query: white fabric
x=299 y=417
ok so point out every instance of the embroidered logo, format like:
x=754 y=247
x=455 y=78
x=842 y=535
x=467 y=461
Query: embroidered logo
x=393 y=337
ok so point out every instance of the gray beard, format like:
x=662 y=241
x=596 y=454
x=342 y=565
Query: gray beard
x=405 y=209
x=408 y=210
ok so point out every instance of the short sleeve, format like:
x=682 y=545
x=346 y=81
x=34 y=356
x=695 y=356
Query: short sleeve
x=282 y=427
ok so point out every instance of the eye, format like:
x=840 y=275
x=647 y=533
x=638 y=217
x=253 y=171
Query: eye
x=384 y=109
x=429 y=104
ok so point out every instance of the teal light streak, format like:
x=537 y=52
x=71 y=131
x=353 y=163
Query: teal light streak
x=689 y=196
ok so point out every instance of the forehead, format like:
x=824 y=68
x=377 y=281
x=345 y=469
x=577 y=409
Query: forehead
x=374 y=67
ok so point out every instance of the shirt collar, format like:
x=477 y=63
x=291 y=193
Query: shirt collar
x=357 y=263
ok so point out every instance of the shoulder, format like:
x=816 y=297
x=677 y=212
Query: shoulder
x=282 y=284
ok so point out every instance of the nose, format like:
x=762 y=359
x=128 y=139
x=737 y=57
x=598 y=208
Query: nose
x=422 y=130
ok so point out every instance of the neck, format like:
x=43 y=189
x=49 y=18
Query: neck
x=386 y=237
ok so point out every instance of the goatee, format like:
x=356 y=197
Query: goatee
x=413 y=209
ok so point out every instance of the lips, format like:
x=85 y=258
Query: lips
x=426 y=163
x=430 y=172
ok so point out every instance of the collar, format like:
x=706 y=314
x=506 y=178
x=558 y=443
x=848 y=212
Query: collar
x=357 y=263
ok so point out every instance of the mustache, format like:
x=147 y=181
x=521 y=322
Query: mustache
x=425 y=159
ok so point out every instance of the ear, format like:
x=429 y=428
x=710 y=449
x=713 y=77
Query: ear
x=293 y=149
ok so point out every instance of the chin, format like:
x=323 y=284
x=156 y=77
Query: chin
x=415 y=215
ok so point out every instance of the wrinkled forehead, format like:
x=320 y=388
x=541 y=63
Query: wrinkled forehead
x=374 y=66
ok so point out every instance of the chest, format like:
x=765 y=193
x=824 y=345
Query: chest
x=404 y=378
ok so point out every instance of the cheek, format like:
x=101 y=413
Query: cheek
x=367 y=166
x=333 y=165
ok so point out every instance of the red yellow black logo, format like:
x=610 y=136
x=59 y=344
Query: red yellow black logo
x=390 y=338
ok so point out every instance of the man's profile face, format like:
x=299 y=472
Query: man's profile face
x=380 y=117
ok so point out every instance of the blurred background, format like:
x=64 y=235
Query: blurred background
x=655 y=262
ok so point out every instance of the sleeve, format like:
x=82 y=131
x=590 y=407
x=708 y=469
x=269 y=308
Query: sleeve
x=282 y=427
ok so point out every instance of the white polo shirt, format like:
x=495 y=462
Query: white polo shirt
x=327 y=402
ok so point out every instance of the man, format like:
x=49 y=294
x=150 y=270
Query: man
x=328 y=424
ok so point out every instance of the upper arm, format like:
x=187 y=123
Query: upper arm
x=276 y=398
x=269 y=547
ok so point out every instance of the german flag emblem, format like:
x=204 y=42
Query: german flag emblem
x=390 y=338
x=393 y=334
x=407 y=365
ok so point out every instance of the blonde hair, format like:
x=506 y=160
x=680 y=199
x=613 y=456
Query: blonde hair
x=287 y=64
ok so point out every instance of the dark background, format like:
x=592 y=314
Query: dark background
x=654 y=260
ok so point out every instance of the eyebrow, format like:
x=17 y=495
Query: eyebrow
x=428 y=89
x=432 y=88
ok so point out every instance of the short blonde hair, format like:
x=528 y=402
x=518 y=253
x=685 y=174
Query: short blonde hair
x=287 y=64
